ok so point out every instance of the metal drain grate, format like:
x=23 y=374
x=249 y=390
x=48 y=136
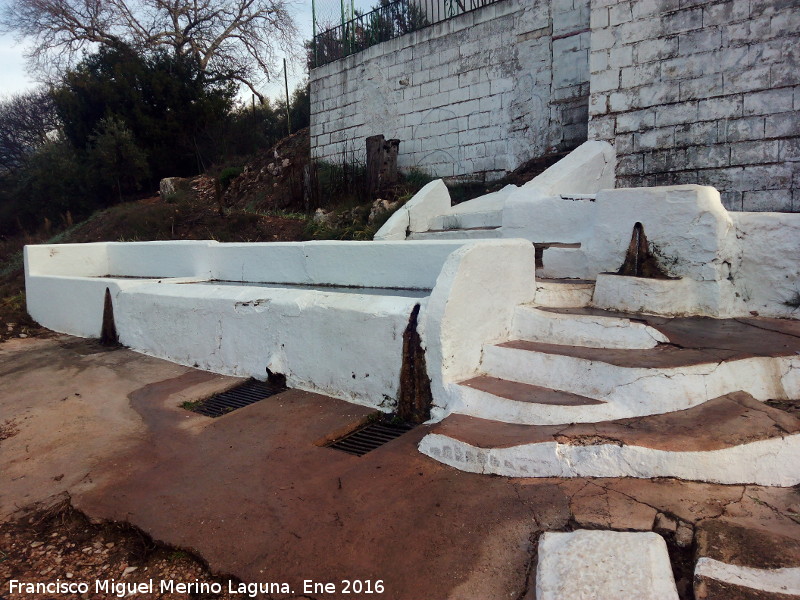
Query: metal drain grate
x=250 y=392
x=369 y=437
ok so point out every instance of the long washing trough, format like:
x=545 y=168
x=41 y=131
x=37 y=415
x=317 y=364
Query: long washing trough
x=566 y=328
x=329 y=316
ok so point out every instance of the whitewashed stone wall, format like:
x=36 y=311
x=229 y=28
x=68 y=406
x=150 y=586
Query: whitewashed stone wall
x=476 y=95
x=701 y=92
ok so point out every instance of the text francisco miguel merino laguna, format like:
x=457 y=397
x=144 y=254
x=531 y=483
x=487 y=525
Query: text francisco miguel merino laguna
x=126 y=588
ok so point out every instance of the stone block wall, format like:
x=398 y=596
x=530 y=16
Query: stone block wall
x=701 y=92
x=473 y=96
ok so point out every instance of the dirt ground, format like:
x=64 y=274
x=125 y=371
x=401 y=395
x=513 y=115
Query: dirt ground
x=259 y=500
x=58 y=540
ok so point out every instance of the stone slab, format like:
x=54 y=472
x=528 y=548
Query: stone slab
x=604 y=565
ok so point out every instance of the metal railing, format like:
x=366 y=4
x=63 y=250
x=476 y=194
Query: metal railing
x=389 y=20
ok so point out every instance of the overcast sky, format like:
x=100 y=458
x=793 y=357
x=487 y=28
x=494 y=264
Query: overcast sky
x=14 y=77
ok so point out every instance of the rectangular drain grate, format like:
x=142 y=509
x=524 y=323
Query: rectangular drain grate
x=250 y=392
x=369 y=437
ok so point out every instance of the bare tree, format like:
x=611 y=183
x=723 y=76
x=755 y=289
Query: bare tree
x=230 y=39
x=26 y=121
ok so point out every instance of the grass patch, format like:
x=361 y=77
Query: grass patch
x=283 y=214
x=347 y=231
x=191 y=404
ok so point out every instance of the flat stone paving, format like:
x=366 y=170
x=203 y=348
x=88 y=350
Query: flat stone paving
x=255 y=495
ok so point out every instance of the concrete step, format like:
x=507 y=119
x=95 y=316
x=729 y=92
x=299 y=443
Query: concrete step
x=513 y=402
x=732 y=439
x=715 y=580
x=604 y=565
x=646 y=381
x=563 y=293
x=531 y=394
x=573 y=327
x=735 y=562
x=477 y=233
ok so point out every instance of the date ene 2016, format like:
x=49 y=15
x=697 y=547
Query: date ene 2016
x=348 y=586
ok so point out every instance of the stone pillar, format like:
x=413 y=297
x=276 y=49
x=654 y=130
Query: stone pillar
x=381 y=163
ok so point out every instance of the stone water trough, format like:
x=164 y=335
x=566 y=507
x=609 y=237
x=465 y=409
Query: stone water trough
x=330 y=316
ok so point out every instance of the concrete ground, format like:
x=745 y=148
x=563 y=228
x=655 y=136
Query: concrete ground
x=258 y=497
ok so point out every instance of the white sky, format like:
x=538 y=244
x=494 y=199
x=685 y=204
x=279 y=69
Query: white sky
x=13 y=75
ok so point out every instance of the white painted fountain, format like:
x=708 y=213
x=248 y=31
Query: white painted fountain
x=519 y=308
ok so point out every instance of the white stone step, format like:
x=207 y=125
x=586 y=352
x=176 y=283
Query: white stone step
x=458 y=234
x=733 y=439
x=513 y=402
x=639 y=382
x=604 y=565
x=592 y=329
x=736 y=560
x=563 y=293
x=757 y=583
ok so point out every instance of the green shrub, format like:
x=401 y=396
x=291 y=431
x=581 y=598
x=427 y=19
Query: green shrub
x=229 y=174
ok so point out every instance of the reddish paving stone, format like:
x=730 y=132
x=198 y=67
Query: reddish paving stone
x=731 y=335
x=785 y=326
x=773 y=511
x=729 y=542
x=596 y=507
x=723 y=422
x=524 y=392
x=689 y=501
x=663 y=356
x=483 y=433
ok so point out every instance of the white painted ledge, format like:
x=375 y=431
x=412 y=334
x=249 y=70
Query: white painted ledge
x=769 y=462
x=774 y=581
